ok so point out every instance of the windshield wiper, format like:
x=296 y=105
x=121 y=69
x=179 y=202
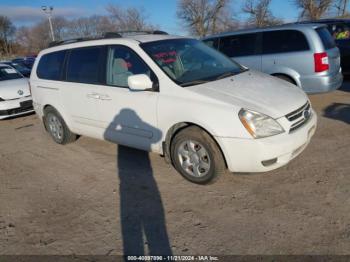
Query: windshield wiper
x=195 y=82
x=228 y=74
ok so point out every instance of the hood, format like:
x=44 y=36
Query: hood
x=11 y=89
x=255 y=91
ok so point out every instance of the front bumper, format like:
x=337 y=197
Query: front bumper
x=16 y=107
x=248 y=155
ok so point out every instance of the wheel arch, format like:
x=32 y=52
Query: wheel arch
x=287 y=76
x=175 y=129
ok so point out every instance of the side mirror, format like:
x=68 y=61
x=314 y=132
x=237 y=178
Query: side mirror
x=140 y=82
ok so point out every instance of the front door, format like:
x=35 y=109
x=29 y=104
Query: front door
x=128 y=117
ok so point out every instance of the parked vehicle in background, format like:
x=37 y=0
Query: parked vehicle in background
x=173 y=96
x=26 y=61
x=304 y=55
x=15 y=98
x=340 y=30
x=25 y=71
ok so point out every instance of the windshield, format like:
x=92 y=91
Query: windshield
x=19 y=67
x=8 y=73
x=190 y=62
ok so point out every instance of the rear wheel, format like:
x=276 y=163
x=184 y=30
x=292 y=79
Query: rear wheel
x=196 y=156
x=57 y=128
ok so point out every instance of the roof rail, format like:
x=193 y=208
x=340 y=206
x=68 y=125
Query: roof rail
x=111 y=35
x=69 y=41
x=106 y=35
x=133 y=32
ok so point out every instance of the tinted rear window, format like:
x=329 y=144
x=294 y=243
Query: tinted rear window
x=50 y=65
x=83 y=65
x=326 y=38
x=238 y=45
x=283 y=41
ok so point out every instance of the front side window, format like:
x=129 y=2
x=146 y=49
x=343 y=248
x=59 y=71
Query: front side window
x=122 y=62
x=282 y=41
x=84 y=65
x=189 y=62
x=239 y=45
x=8 y=73
x=50 y=65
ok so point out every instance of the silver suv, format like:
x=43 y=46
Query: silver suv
x=305 y=55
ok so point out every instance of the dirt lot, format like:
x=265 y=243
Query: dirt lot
x=86 y=198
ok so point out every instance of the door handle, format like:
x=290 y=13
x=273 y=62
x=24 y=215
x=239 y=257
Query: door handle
x=93 y=95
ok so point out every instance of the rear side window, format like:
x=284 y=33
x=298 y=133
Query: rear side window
x=239 y=45
x=326 y=38
x=282 y=41
x=50 y=65
x=84 y=65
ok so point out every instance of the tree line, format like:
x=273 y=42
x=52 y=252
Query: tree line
x=200 y=17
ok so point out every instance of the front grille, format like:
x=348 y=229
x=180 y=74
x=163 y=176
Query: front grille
x=299 y=117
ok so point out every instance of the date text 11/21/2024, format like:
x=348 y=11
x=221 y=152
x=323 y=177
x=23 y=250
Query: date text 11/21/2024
x=172 y=258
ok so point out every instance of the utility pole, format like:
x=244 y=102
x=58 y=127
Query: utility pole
x=48 y=11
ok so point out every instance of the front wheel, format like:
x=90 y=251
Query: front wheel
x=196 y=156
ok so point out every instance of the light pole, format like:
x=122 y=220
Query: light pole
x=48 y=11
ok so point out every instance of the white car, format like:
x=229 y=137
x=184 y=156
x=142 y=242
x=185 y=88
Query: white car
x=15 y=98
x=173 y=96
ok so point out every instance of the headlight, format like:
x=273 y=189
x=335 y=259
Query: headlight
x=259 y=125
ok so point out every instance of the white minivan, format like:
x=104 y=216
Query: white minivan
x=173 y=96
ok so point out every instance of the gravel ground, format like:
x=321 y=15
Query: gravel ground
x=95 y=198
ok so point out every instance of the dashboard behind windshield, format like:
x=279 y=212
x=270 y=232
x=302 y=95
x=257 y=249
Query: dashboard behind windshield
x=190 y=62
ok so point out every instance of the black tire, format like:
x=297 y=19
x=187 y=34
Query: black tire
x=285 y=78
x=66 y=136
x=213 y=157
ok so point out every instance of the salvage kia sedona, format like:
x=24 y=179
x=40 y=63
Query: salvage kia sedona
x=15 y=98
x=173 y=96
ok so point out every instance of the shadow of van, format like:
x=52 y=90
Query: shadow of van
x=338 y=111
x=141 y=209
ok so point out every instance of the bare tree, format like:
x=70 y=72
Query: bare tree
x=59 y=27
x=341 y=7
x=260 y=14
x=34 y=38
x=206 y=16
x=88 y=27
x=7 y=31
x=129 y=18
x=313 y=9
